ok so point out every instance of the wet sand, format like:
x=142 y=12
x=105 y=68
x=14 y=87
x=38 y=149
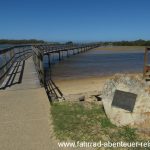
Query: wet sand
x=122 y=48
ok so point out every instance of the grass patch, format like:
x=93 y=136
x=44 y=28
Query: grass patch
x=87 y=122
x=105 y=123
x=127 y=133
x=76 y=121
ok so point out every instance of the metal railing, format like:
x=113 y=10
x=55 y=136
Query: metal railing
x=11 y=55
x=38 y=62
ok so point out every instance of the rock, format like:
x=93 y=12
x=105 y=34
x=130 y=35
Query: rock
x=98 y=97
x=82 y=98
x=133 y=84
x=89 y=96
x=74 y=97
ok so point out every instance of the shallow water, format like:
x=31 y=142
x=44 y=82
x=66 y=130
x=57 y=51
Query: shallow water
x=98 y=63
x=3 y=46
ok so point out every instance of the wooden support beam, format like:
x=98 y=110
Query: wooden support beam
x=73 y=52
x=59 y=55
x=62 y=55
x=67 y=53
x=49 y=65
x=49 y=60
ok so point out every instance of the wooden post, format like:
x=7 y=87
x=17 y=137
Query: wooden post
x=67 y=53
x=59 y=56
x=5 y=61
x=49 y=65
x=53 y=60
x=62 y=54
x=145 y=62
x=49 y=61
x=73 y=52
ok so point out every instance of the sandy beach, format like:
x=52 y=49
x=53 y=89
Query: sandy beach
x=122 y=48
x=76 y=86
x=83 y=85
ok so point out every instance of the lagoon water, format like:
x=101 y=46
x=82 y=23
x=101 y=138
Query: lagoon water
x=3 y=46
x=98 y=63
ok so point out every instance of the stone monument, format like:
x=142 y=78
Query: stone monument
x=126 y=100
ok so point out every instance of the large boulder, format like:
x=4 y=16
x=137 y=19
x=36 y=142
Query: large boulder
x=140 y=117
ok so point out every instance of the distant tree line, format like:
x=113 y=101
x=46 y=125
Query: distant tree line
x=139 y=42
x=69 y=43
x=31 y=41
x=132 y=43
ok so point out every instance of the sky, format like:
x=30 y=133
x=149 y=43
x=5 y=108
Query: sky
x=75 y=20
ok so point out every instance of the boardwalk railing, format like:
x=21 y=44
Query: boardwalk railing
x=38 y=56
x=17 y=53
x=9 y=56
x=39 y=51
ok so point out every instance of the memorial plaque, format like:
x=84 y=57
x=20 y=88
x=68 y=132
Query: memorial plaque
x=124 y=100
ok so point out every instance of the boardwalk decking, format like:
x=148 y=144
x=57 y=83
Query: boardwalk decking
x=22 y=76
x=24 y=113
x=24 y=120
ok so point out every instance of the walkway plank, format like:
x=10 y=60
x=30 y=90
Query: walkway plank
x=25 y=112
x=26 y=73
x=24 y=120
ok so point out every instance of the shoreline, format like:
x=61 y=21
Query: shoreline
x=122 y=48
x=82 y=85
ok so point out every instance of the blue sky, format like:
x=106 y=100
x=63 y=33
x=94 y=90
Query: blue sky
x=76 y=20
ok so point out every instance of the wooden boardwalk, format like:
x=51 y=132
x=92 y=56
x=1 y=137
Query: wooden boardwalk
x=23 y=77
x=25 y=120
x=24 y=112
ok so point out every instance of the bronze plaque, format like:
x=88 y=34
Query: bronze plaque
x=124 y=100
